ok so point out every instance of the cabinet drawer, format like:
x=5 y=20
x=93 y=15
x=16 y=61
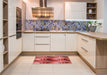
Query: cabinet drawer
x=53 y=35
x=42 y=40
x=42 y=34
x=42 y=47
x=84 y=39
x=84 y=51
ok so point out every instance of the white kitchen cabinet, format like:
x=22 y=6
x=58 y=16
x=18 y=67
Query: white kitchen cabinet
x=42 y=47
x=1 y=55
x=12 y=17
x=19 y=45
x=58 y=41
x=1 y=16
x=71 y=42
x=28 y=42
x=1 y=61
x=75 y=10
x=58 y=7
x=12 y=48
x=87 y=48
x=42 y=42
x=92 y=52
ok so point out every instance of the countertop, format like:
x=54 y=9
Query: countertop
x=96 y=35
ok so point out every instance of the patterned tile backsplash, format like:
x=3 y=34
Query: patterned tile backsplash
x=48 y=25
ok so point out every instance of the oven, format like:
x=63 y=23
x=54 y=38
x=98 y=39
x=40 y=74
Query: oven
x=18 y=23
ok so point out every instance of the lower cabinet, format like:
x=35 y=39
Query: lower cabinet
x=58 y=42
x=28 y=42
x=12 y=48
x=1 y=55
x=42 y=42
x=49 y=42
x=19 y=45
x=87 y=48
x=71 y=42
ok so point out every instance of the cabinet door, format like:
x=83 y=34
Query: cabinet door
x=1 y=55
x=71 y=42
x=19 y=45
x=28 y=42
x=58 y=42
x=12 y=48
x=12 y=17
x=1 y=10
x=92 y=52
x=75 y=10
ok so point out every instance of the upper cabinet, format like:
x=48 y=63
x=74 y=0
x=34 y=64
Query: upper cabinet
x=1 y=10
x=75 y=10
x=91 y=10
x=12 y=17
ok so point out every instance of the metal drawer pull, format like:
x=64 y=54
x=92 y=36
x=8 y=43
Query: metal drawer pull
x=84 y=49
x=43 y=36
x=42 y=44
x=85 y=40
x=12 y=35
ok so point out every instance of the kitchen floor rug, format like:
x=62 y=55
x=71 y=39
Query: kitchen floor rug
x=51 y=60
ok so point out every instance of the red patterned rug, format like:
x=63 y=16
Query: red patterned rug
x=51 y=60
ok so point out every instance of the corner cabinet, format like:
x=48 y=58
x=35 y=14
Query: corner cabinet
x=87 y=49
x=58 y=42
x=75 y=10
x=71 y=42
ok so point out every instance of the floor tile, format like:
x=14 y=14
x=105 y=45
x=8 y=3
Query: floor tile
x=24 y=66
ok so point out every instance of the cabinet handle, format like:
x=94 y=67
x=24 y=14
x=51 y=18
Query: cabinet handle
x=12 y=35
x=85 y=40
x=84 y=49
x=42 y=36
x=42 y=44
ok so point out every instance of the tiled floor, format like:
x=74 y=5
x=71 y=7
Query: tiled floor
x=24 y=66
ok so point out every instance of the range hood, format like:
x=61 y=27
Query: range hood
x=43 y=11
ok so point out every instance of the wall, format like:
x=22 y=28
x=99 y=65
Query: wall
x=29 y=5
x=48 y=25
x=58 y=8
x=57 y=4
x=105 y=16
x=100 y=13
x=23 y=15
x=19 y=3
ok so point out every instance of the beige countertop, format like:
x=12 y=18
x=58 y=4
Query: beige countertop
x=96 y=35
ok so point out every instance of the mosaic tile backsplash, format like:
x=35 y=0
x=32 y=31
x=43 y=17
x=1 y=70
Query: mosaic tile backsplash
x=48 y=25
